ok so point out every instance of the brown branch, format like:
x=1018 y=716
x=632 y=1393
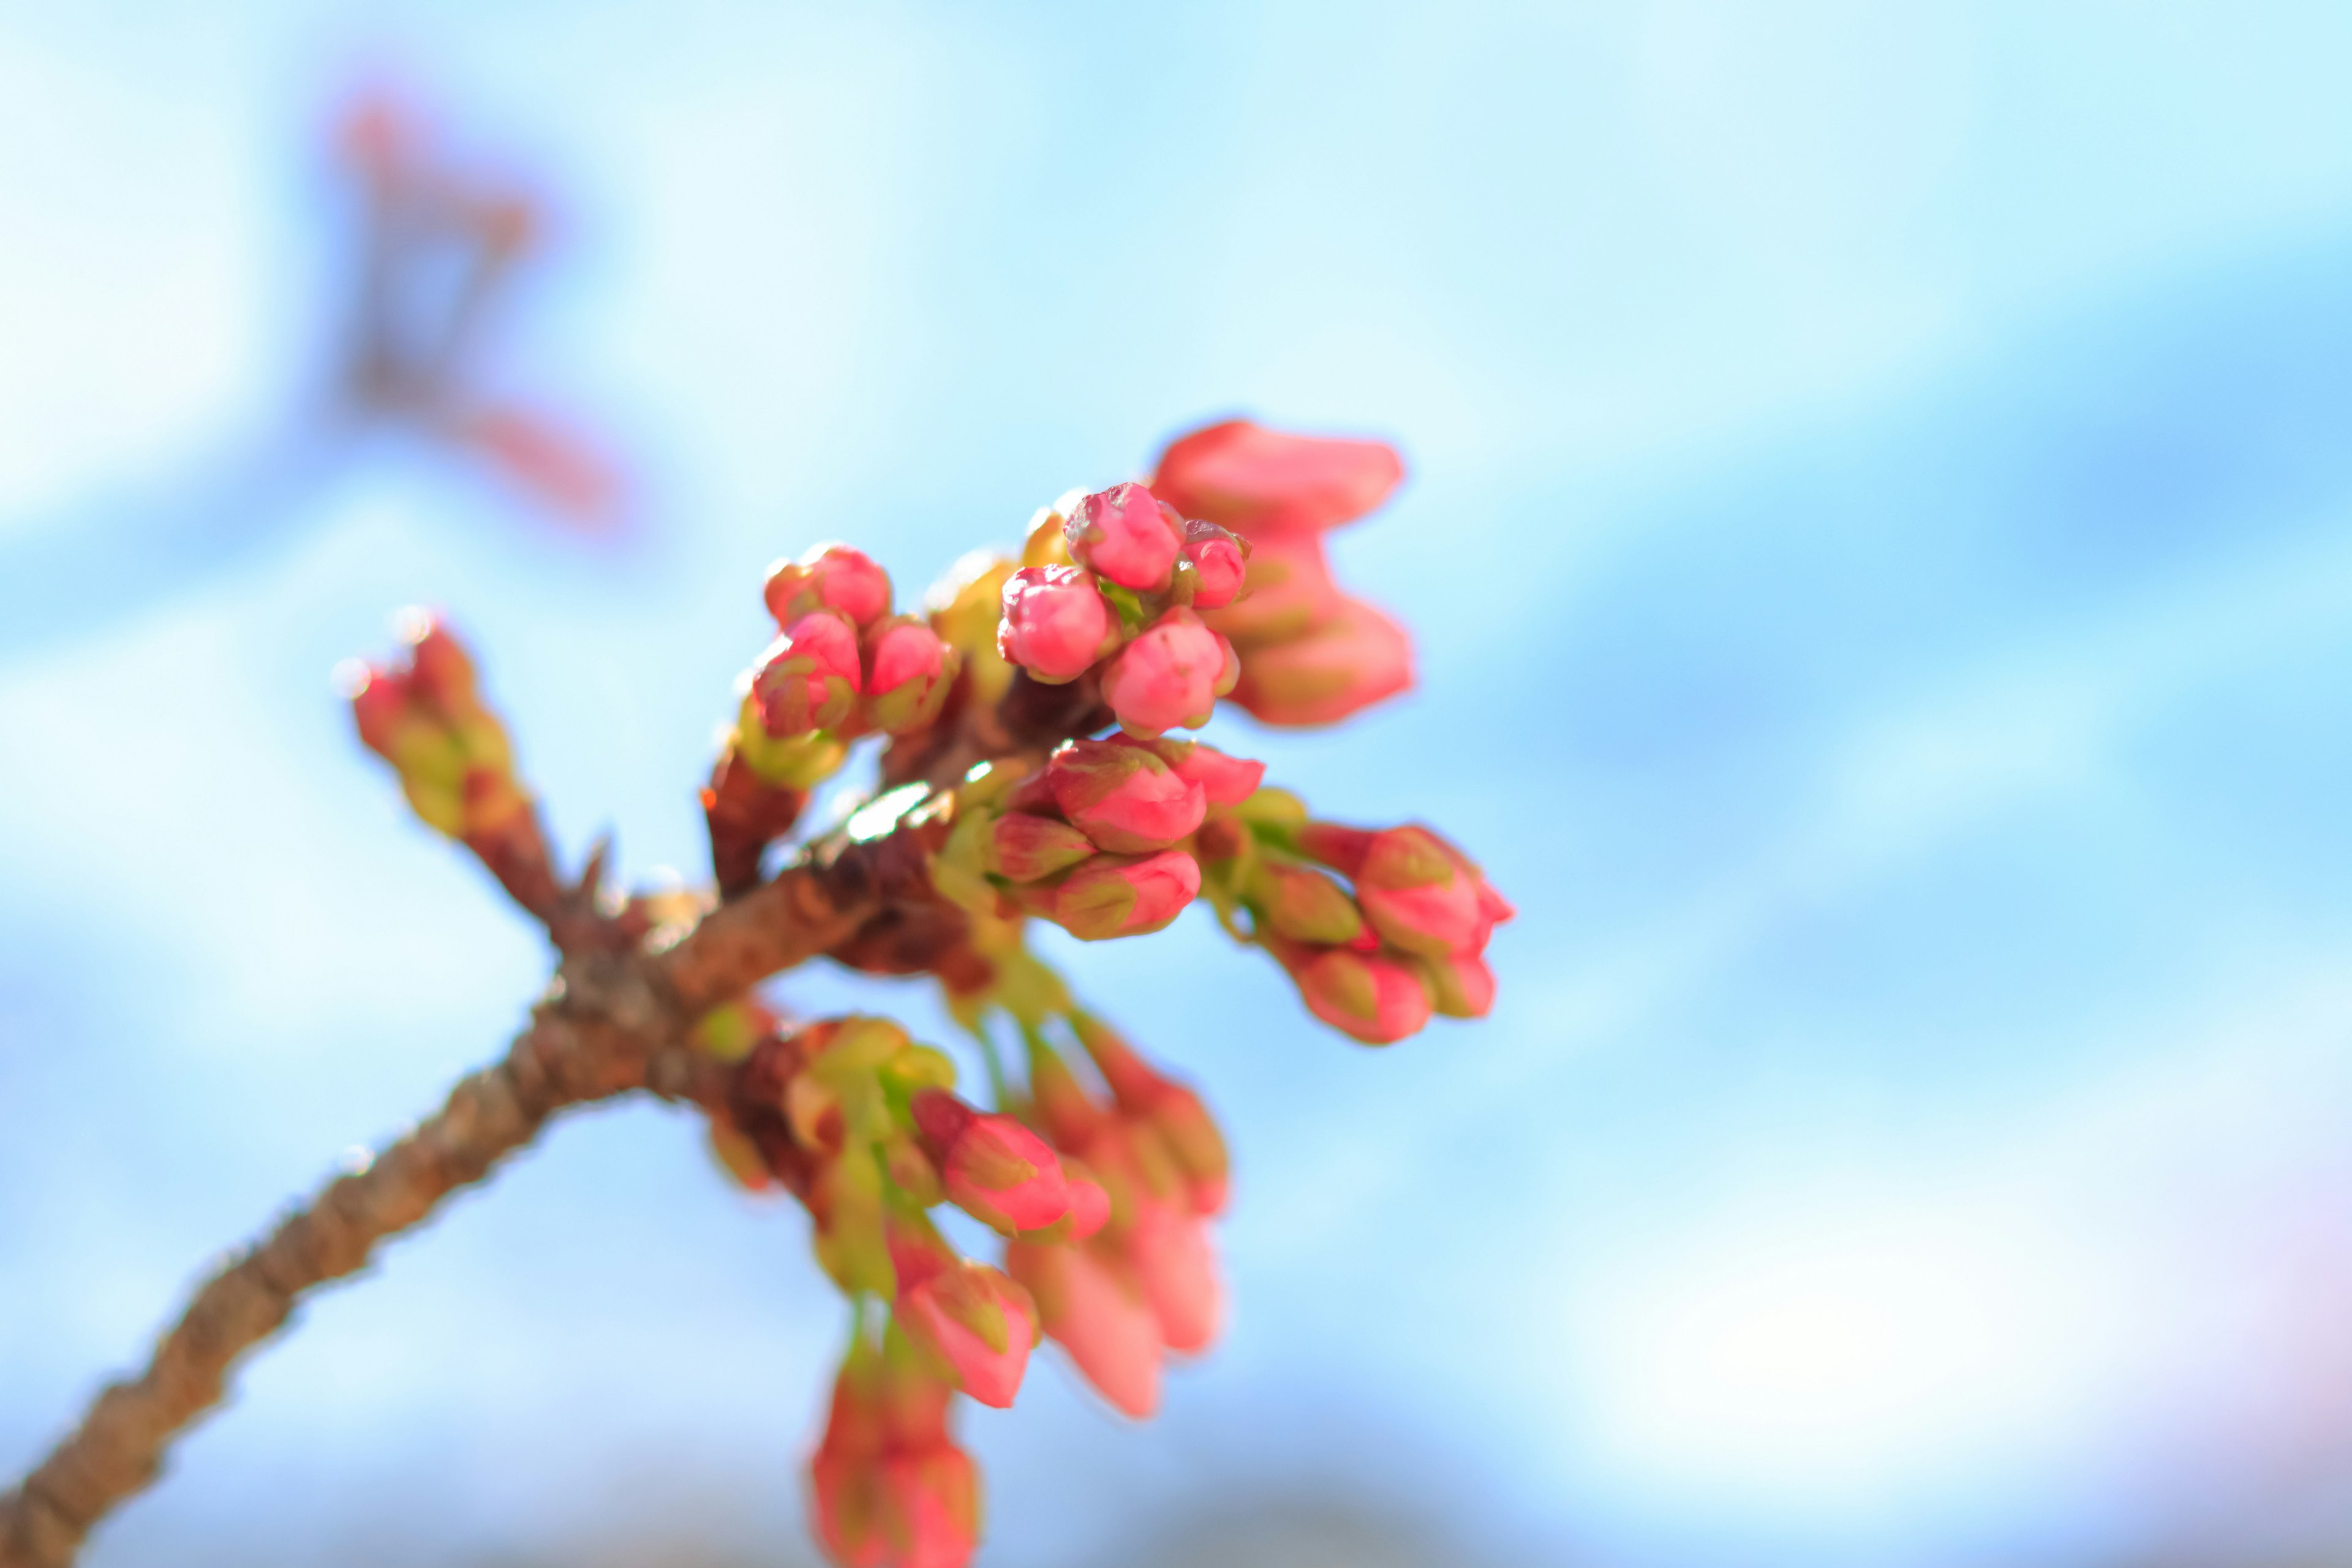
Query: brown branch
x=609 y=1025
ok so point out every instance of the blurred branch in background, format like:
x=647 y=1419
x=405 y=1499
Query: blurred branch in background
x=440 y=245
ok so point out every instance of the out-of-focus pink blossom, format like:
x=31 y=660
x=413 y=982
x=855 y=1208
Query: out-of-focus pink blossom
x=1420 y=894
x=1170 y=1248
x=1125 y=799
x=1460 y=985
x=1117 y=895
x=977 y=1320
x=1258 y=482
x=1127 y=535
x=1219 y=559
x=1170 y=1109
x=1372 y=997
x=1095 y=1311
x=1168 y=676
x=1348 y=663
x=830 y=577
x=934 y=1507
x=809 y=678
x=1055 y=625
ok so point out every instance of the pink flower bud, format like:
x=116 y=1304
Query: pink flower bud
x=1026 y=848
x=1420 y=894
x=995 y=1169
x=1170 y=1248
x=1127 y=535
x=1374 y=998
x=1170 y=1109
x=830 y=577
x=1095 y=1310
x=1288 y=592
x=910 y=670
x=1125 y=798
x=1304 y=905
x=1348 y=662
x=809 y=678
x=1055 y=624
x=1460 y=985
x=1219 y=560
x=1089 y=1203
x=1115 y=895
x=977 y=1320
x=1258 y=482
x=1226 y=780
x=932 y=1496
x=1167 y=676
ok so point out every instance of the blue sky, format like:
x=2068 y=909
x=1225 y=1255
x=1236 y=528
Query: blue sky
x=1878 y=541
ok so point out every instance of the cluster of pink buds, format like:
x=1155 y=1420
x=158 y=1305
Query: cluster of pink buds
x=1374 y=964
x=1310 y=654
x=424 y=714
x=1118 y=582
x=842 y=666
x=1025 y=771
x=1102 y=1200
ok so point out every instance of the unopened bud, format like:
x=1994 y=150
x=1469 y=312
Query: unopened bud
x=1095 y=1308
x=1169 y=1248
x=1125 y=799
x=1420 y=894
x=1303 y=904
x=1127 y=535
x=1218 y=562
x=1114 y=895
x=1287 y=592
x=1023 y=847
x=977 y=1320
x=830 y=577
x=1055 y=625
x=1460 y=985
x=1168 y=676
x=1351 y=661
x=1258 y=482
x=992 y=1168
x=1372 y=998
x=910 y=668
x=809 y=678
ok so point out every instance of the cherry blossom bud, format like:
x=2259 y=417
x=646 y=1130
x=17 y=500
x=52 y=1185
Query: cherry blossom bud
x=1460 y=985
x=910 y=668
x=1115 y=895
x=1374 y=998
x=830 y=577
x=1170 y=1248
x=1125 y=799
x=809 y=679
x=1287 y=593
x=933 y=1499
x=1171 y=1108
x=1055 y=624
x=1303 y=904
x=1095 y=1308
x=1167 y=676
x=845 y=1477
x=1350 y=662
x=382 y=708
x=1258 y=482
x=441 y=674
x=1089 y=1203
x=1420 y=894
x=977 y=1320
x=1226 y=780
x=1126 y=534
x=1026 y=848
x=995 y=1169
x=1219 y=563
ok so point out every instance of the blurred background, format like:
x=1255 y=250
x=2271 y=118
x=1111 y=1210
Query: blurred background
x=1879 y=540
